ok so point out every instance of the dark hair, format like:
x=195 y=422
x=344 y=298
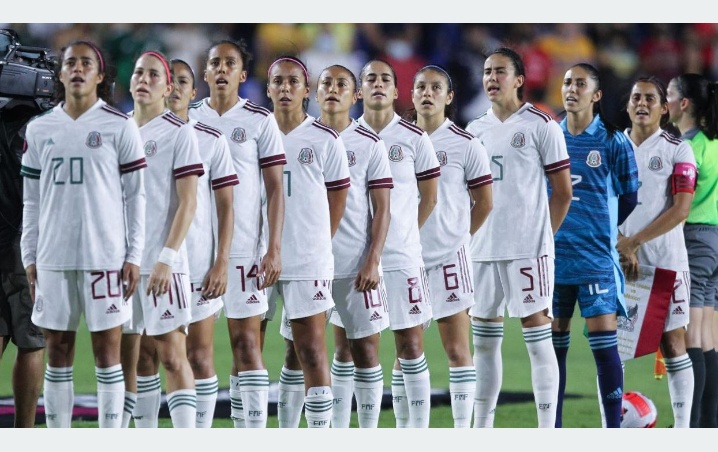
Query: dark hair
x=704 y=101
x=298 y=62
x=339 y=66
x=105 y=90
x=594 y=75
x=449 y=110
x=362 y=74
x=174 y=61
x=518 y=63
x=661 y=88
x=241 y=48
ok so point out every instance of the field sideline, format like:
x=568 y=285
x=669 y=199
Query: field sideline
x=579 y=412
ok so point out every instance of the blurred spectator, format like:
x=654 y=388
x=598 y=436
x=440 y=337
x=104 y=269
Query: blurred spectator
x=660 y=53
x=466 y=67
x=566 y=44
x=537 y=62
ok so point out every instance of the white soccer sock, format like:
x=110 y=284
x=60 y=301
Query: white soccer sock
x=110 y=396
x=235 y=400
x=462 y=389
x=130 y=402
x=183 y=408
x=254 y=386
x=59 y=397
x=680 y=387
x=544 y=373
x=487 y=339
x=418 y=390
x=343 y=390
x=291 y=398
x=206 y=389
x=399 y=401
x=318 y=407
x=149 y=395
x=368 y=390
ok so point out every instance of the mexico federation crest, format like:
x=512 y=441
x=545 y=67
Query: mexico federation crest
x=441 y=155
x=518 y=141
x=655 y=164
x=239 y=135
x=395 y=153
x=352 y=158
x=628 y=322
x=39 y=303
x=94 y=140
x=150 y=148
x=306 y=156
x=593 y=159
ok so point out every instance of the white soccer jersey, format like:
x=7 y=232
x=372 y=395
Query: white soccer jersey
x=464 y=165
x=369 y=169
x=84 y=203
x=657 y=158
x=172 y=153
x=522 y=151
x=218 y=173
x=255 y=142
x=412 y=159
x=316 y=163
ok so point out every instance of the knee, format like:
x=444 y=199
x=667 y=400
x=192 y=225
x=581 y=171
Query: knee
x=201 y=359
x=310 y=356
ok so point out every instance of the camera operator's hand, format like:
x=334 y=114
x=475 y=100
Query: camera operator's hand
x=31 y=273
x=130 y=279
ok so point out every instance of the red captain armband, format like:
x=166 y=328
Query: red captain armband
x=683 y=179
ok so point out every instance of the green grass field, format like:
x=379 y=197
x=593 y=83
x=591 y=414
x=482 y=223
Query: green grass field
x=580 y=411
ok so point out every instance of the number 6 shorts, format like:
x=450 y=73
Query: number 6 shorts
x=451 y=285
x=61 y=297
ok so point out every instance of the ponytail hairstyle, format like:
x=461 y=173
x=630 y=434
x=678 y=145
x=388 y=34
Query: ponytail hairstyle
x=302 y=66
x=661 y=88
x=703 y=95
x=593 y=73
x=518 y=63
x=450 y=109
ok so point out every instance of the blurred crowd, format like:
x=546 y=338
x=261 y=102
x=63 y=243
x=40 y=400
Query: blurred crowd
x=620 y=51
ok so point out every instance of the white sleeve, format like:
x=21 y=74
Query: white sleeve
x=132 y=163
x=221 y=168
x=426 y=165
x=31 y=203
x=552 y=148
x=187 y=160
x=379 y=170
x=336 y=166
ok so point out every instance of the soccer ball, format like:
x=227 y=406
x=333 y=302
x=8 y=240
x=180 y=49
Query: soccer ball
x=638 y=411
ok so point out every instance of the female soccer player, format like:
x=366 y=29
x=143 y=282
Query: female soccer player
x=465 y=181
x=83 y=229
x=208 y=257
x=316 y=190
x=415 y=172
x=605 y=182
x=653 y=233
x=161 y=312
x=693 y=107
x=358 y=288
x=258 y=156
x=515 y=273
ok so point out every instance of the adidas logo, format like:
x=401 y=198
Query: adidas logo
x=202 y=300
x=374 y=316
x=112 y=310
x=452 y=298
x=319 y=296
x=167 y=315
x=415 y=310
x=615 y=395
x=678 y=311
x=529 y=299
x=252 y=300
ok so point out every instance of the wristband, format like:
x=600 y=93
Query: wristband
x=167 y=256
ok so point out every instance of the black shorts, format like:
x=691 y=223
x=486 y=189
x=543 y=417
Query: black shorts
x=15 y=302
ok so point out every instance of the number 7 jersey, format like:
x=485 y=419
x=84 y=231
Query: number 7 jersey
x=522 y=151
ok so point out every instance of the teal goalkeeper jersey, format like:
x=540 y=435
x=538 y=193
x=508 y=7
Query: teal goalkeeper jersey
x=602 y=168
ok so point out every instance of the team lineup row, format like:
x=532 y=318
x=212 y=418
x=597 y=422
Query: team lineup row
x=371 y=223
